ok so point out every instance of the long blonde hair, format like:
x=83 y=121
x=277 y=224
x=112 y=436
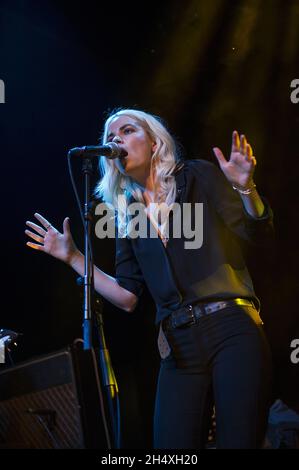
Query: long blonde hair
x=116 y=188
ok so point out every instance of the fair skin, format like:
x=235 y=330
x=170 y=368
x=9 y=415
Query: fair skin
x=130 y=135
x=239 y=170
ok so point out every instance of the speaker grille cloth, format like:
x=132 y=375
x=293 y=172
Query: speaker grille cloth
x=47 y=419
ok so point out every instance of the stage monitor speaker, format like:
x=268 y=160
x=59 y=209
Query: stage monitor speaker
x=53 y=402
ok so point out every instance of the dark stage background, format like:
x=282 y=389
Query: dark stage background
x=207 y=67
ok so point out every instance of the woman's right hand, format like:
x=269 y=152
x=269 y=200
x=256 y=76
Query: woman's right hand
x=51 y=241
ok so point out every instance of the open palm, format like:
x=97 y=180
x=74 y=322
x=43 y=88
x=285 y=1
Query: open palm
x=50 y=240
x=239 y=169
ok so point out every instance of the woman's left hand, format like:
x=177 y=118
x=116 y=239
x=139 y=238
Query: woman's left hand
x=240 y=167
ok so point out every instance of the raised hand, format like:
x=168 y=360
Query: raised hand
x=50 y=240
x=239 y=169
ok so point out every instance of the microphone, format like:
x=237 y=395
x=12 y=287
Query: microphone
x=110 y=150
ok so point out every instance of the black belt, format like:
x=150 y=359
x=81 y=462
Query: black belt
x=191 y=313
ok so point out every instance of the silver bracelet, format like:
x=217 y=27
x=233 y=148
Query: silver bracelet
x=245 y=191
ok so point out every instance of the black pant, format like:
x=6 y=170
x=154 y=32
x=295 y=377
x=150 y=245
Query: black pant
x=225 y=355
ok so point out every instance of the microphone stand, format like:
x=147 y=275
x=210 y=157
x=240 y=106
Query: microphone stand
x=87 y=322
x=108 y=376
